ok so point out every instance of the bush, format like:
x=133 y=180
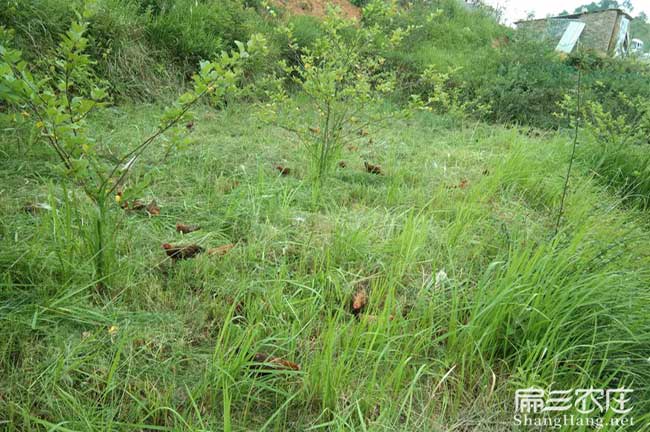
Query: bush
x=617 y=143
x=522 y=82
x=340 y=83
x=614 y=83
x=439 y=34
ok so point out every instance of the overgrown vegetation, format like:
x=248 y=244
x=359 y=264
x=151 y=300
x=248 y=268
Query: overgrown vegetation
x=60 y=104
x=327 y=261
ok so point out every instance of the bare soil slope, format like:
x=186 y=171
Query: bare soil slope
x=318 y=8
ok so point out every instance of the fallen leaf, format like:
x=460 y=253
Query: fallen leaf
x=362 y=132
x=314 y=130
x=343 y=164
x=186 y=229
x=221 y=250
x=463 y=184
x=112 y=330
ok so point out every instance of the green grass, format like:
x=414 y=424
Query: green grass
x=170 y=346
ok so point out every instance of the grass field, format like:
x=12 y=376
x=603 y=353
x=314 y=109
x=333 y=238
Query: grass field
x=471 y=296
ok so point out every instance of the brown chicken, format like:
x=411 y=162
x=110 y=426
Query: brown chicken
x=153 y=209
x=35 y=208
x=186 y=229
x=284 y=171
x=265 y=363
x=221 y=250
x=373 y=169
x=182 y=252
x=359 y=301
x=134 y=205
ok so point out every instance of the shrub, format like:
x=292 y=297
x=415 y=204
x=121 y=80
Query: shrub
x=440 y=35
x=60 y=104
x=37 y=23
x=619 y=85
x=117 y=45
x=616 y=147
x=340 y=82
x=522 y=82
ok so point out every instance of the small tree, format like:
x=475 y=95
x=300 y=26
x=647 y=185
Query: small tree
x=67 y=93
x=343 y=82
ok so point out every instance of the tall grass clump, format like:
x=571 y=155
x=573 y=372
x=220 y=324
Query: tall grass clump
x=563 y=311
x=142 y=49
x=191 y=31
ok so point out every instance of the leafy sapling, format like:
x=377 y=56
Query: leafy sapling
x=341 y=84
x=60 y=104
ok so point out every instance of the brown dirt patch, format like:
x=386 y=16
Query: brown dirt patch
x=318 y=8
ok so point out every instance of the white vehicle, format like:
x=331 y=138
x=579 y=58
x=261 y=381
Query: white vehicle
x=636 y=46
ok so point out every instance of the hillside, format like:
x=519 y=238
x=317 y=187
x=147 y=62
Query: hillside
x=318 y=8
x=218 y=217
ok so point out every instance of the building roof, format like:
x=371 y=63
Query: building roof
x=579 y=15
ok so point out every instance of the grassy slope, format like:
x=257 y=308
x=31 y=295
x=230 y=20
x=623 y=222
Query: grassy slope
x=516 y=309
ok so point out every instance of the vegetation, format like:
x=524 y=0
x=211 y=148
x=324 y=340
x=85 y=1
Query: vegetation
x=603 y=4
x=60 y=106
x=386 y=225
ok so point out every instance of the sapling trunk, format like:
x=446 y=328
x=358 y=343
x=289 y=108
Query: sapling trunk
x=573 y=155
x=100 y=245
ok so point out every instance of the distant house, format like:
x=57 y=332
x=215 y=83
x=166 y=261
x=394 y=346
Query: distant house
x=606 y=31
